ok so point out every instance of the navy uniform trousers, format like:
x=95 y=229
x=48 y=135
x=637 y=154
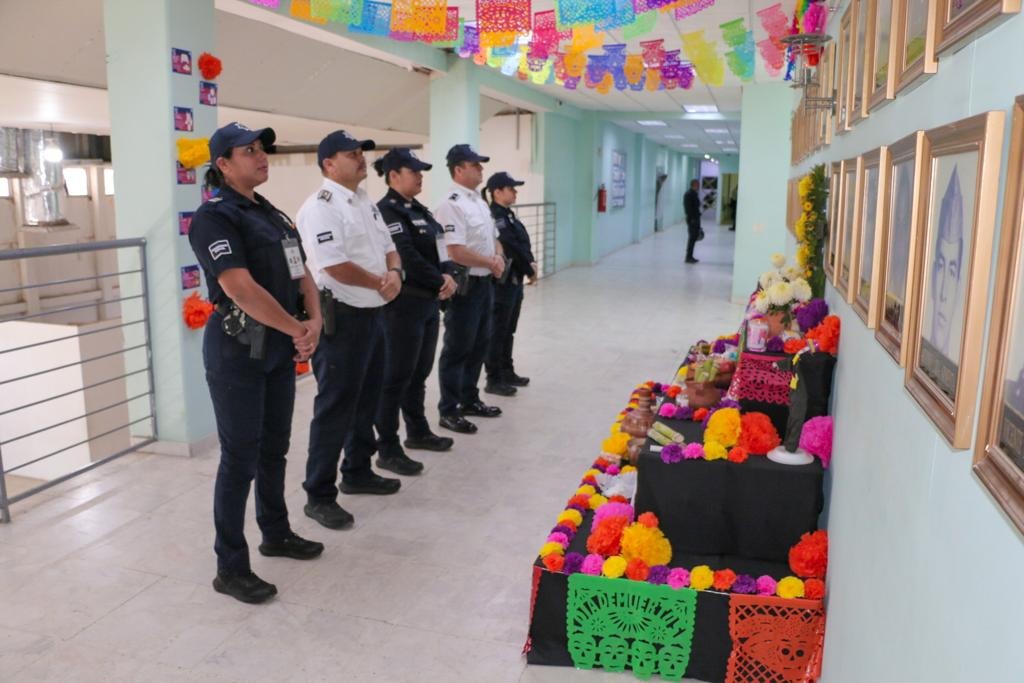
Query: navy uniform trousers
x=508 y=302
x=348 y=367
x=467 y=333
x=252 y=402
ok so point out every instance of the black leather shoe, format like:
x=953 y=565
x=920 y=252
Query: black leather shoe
x=371 y=483
x=400 y=463
x=692 y=260
x=499 y=389
x=457 y=423
x=293 y=546
x=481 y=409
x=330 y=515
x=430 y=442
x=244 y=587
x=515 y=380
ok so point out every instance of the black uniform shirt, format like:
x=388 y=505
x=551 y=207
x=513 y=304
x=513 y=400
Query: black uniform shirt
x=515 y=240
x=419 y=239
x=232 y=231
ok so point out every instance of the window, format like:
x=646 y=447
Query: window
x=108 y=182
x=76 y=179
x=5 y=187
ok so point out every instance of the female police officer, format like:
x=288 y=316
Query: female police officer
x=255 y=272
x=412 y=320
x=508 y=291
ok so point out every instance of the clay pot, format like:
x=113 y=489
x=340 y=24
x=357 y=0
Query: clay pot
x=776 y=323
x=638 y=421
x=702 y=394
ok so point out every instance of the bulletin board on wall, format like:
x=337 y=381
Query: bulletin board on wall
x=618 y=191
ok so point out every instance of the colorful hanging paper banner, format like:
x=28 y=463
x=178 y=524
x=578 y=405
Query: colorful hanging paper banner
x=573 y=13
x=546 y=36
x=300 y=10
x=597 y=67
x=622 y=14
x=470 y=41
x=452 y=28
x=375 y=19
x=641 y=6
x=510 y=64
x=571 y=82
x=633 y=68
x=584 y=39
x=741 y=57
x=704 y=57
x=653 y=52
x=544 y=75
x=330 y=10
x=643 y=25
x=671 y=70
x=499 y=39
x=272 y=4
x=773 y=51
x=814 y=19
x=503 y=16
x=690 y=7
x=639 y=85
x=773 y=57
x=652 y=80
x=419 y=17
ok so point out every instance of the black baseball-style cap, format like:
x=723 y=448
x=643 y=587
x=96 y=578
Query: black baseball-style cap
x=236 y=134
x=402 y=157
x=502 y=179
x=340 y=141
x=460 y=153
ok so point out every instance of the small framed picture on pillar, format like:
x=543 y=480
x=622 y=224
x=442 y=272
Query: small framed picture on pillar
x=189 y=277
x=181 y=61
x=208 y=93
x=183 y=119
x=185 y=222
x=186 y=176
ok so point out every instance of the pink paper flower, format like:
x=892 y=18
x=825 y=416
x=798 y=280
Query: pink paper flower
x=816 y=438
x=766 y=585
x=592 y=564
x=693 y=451
x=679 y=578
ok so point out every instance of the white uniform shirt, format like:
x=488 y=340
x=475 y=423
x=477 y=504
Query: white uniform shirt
x=338 y=226
x=467 y=221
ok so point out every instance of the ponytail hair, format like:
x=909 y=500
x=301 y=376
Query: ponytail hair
x=483 y=193
x=214 y=178
x=378 y=166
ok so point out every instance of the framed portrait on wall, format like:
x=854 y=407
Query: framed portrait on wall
x=898 y=214
x=831 y=246
x=961 y=20
x=849 y=217
x=868 y=246
x=880 y=79
x=843 y=52
x=827 y=81
x=859 y=32
x=999 y=450
x=915 y=41
x=960 y=180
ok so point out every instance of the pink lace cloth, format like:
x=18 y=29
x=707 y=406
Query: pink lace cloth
x=758 y=379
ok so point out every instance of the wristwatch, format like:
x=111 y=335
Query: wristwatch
x=400 y=271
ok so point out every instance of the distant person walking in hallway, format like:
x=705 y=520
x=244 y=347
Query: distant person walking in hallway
x=691 y=205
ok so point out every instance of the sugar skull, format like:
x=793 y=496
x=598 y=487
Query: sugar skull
x=672 y=662
x=614 y=652
x=643 y=659
x=583 y=650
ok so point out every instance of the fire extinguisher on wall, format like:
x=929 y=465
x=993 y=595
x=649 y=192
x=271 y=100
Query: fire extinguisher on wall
x=602 y=199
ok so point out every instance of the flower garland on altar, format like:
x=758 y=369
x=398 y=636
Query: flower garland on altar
x=811 y=228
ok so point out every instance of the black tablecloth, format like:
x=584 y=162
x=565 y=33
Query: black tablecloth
x=817 y=370
x=755 y=510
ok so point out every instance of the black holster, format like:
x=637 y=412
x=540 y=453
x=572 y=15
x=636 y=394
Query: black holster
x=327 y=311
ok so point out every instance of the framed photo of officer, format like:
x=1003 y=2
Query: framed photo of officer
x=898 y=212
x=879 y=76
x=960 y=181
x=999 y=450
x=849 y=228
x=961 y=20
x=869 y=247
x=843 y=72
x=832 y=235
x=914 y=38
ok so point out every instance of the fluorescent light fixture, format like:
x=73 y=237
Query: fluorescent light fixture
x=714 y=131
x=651 y=122
x=675 y=136
x=707 y=156
x=52 y=152
x=689 y=146
x=700 y=108
x=729 y=149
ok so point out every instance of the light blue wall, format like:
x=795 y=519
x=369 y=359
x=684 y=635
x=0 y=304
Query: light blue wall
x=560 y=183
x=924 y=569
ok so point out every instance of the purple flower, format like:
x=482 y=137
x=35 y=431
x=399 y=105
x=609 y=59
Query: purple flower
x=728 y=403
x=577 y=506
x=719 y=346
x=775 y=345
x=658 y=574
x=562 y=529
x=810 y=314
x=671 y=453
x=573 y=562
x=684 y=413
x=657 y=388
x=744 y=583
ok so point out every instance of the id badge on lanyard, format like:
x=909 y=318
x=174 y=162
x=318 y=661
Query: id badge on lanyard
x=293 y=256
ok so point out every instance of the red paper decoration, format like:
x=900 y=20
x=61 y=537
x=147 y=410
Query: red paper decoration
x=503 y=16
x=209 y=66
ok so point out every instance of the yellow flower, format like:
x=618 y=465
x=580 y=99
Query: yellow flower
x=806 y=183
x=627 y=468
x=591 y=473
x=614 y=567
x=789 y=588
x=616 y=444
x=701 y=578
x=572 y=515
x=800 y=230
x=551 y=547
x=616 y=428
x=803 y=255
x=808 y=207
x=723 y=429
x=714 y=450
x=586 y=490
x=596 y=501
x=647 y=543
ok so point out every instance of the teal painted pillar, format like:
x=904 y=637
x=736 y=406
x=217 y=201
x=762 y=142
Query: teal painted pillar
x=143 y=92
x=763 y=171
x=454 y=118
x=585 y=176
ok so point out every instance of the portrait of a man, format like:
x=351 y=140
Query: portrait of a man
x=947 y=266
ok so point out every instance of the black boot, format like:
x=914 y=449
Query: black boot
x=245 y=587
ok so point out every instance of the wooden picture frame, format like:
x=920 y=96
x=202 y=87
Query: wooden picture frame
x=998 y=460
x=832 y=234
x=826 y=88
x=955 y=26
x=960 y=180
x=857 y=102
x=869 y=246
x=881 y=85
x=843 y=52
x=849 y=219
x=899 y=216
x=914 y=36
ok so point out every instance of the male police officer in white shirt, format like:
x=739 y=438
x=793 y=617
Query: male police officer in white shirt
x=350 y=253
x=471 y=238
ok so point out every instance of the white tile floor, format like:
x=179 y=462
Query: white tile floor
x=107 y=577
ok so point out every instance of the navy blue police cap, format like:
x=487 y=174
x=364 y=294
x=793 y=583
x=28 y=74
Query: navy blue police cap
x=340 y=141
x=461 y=153
x=236 y=134
x=502 y=179
x=402 y=157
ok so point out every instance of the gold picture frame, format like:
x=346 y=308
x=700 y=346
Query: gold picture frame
x=998 y=460
x=960 y=187
x=849 y=219
x=898 y=212
x=826 y=88
x=869 y=246
x=954 y=25
x=879 y=76
x=832 y=234
x=857 y=103
x=914 y=36
x=843 y=52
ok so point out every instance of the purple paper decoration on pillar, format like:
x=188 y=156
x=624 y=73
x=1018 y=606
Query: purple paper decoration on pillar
x=470 y=41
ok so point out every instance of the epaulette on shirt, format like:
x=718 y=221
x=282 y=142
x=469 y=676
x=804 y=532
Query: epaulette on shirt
x=454 y=196
x=214 y=200
x=325 y=195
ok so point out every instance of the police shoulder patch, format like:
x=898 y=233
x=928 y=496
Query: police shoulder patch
x=449 y=228
x=394 y=228
x=454 y=196
x=322 y=237
x=219 y=248
x=325 y=195
x=214 y=200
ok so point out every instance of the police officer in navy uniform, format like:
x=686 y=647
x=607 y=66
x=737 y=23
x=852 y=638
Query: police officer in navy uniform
x=255 y=272
x=508 y=291
x=353 y=259
x=472 y=243
x=412 y=320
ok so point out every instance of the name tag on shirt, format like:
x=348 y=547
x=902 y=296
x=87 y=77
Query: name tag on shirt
x=419 y=221
x=293 y=256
